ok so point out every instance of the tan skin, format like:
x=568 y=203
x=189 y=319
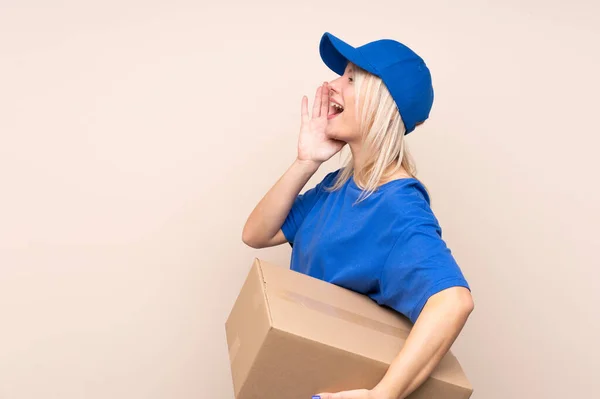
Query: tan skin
x=444 y=314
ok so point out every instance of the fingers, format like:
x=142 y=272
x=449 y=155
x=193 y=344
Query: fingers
x=321 y=104
x=354 y=394
x=304 y=109
x=316 y=111
x=327 y=395
x=325 y=99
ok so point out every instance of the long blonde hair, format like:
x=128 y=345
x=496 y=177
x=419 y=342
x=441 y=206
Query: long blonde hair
x=382 y=130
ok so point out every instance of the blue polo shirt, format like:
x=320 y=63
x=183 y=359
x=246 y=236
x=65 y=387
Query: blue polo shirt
x=388 y=247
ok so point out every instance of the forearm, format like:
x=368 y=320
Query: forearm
x=269 y=214
x=437 y=327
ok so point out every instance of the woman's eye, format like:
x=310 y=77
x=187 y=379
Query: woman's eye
x=351 y=79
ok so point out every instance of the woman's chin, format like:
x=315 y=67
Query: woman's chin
x=335 y=135
x=332 y=133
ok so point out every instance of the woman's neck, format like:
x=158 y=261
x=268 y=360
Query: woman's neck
x=358 y=161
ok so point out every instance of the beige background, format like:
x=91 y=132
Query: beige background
x=137 y=136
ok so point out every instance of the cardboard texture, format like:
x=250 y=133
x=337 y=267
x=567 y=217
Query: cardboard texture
x=291 y=336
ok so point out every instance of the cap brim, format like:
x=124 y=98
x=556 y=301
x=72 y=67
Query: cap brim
x=336 y=53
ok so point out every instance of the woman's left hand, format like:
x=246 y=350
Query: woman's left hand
x=354 y=394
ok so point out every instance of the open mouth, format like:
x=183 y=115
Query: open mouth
x=334 y=110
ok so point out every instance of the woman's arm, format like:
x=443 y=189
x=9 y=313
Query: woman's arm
x=432 y=335
x=263 y=227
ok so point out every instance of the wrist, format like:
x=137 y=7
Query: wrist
x=381 y=391
x=308 y=165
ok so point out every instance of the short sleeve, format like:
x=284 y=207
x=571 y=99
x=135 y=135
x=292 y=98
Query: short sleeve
x=302 y=205
x=419 y=265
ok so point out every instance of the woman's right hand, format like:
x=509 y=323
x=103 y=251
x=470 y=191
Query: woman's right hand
x=313 y=145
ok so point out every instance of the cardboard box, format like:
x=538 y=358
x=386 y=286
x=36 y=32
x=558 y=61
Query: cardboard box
x=291 y=336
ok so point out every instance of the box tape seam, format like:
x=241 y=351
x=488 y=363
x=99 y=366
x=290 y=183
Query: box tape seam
x=264 y=282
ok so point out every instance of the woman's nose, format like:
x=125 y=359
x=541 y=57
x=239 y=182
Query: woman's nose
x=333 y=86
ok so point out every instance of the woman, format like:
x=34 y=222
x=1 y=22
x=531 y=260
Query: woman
x=368 y=226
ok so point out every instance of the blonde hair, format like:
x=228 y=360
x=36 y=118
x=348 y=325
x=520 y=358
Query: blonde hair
x=382 y=130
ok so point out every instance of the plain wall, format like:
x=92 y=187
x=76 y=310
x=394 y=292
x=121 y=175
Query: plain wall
x=137 y=136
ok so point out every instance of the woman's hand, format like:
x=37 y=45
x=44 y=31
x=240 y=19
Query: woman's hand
x=354 y=394
x=313 y=145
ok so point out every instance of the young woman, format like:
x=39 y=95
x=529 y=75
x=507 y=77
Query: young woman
x=368 y=226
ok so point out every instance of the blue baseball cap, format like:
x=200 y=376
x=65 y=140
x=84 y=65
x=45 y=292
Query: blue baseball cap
x=403 y=72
